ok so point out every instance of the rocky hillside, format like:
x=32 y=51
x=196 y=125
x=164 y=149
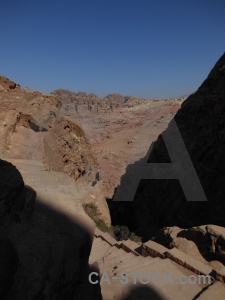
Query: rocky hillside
x=98 y=104
x=6 y=84
x=200 y=120
x=118 y=127
x=45 y=234
x=32 y=127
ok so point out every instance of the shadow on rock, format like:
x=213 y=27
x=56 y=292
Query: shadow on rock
x=43 y=253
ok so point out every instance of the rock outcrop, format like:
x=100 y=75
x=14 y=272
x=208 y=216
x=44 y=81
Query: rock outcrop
x=6 y=84
x=206 y=242
x=67 y=150
x=32 y=127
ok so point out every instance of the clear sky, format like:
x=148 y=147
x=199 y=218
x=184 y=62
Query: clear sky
x=134 y=47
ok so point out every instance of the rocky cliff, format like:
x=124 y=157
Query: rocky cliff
x=200 y=120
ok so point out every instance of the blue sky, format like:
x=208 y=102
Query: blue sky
x=133 y=47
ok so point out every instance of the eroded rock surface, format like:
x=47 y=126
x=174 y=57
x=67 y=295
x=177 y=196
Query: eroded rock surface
x=32 y=127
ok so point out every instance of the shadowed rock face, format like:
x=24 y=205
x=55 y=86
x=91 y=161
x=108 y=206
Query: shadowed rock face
x=43 y=254
x=200 y=120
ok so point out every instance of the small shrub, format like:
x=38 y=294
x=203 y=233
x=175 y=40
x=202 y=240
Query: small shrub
x=135 y=237
x=121 y=232
x=92 y=211
x=101 y=224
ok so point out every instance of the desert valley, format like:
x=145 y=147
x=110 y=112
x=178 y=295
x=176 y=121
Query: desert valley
x=64 y=155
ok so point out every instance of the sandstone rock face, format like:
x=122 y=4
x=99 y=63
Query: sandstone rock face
x=175 y=237
x=32 y=127
x=6 y=84
x=204 y=243
x=160 y=203
x=44 y=255
x=67 y=150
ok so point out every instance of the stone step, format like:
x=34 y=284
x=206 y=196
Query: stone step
x=153 y=249
x=131 y=246
x=124 y=257
x=190 y=263
x=143 y=265
x=110 y=268
x=99 y=244
x=110 y=252
x=164 y=288
x=106 y=237
x=115 y=261
x=97 y=240
x=216 y=291
x=98 y=250
x=115 y=254
x=97 y=232
x=124 y=265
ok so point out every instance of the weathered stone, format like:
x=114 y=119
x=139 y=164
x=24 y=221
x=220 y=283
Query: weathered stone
x=214 y=291
x=131 y=246
x=154 y=249
x=189 y=262
x=106 y=237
